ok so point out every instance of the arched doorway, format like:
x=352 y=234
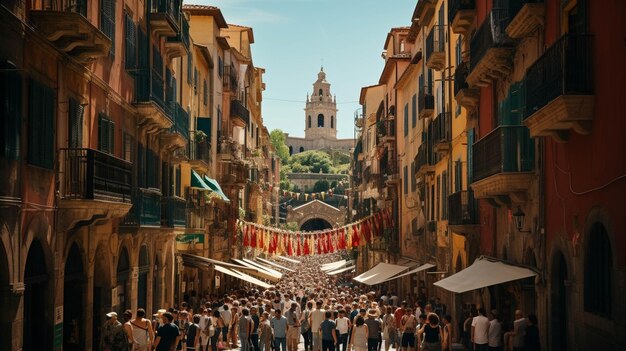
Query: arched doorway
x=559 y=303
x=101 y=292
x=73 y=301
x=36 y=308
x=156 y=285
x=314 y=224
x=142 y=282
x=123 y=272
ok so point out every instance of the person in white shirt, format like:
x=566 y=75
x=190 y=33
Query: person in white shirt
x=495 y=332
x=480 y=331
x=317 y=317
x=227 y=317
x=343 y=326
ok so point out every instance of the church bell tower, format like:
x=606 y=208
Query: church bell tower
x=320 y=120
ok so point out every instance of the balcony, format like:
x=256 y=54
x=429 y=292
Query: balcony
x=239 y=114
x=72 y=33
x=559 y=89
x=177 y=136
x=164 y=17
x=464 y=95
x=424 y=161
x=526 y=18
x=173 y=212
x=491 y=50
x=441 y=130
x=426 y=104
x=391 y=174
x=199 y=152
x=146 y=210
x=153 y=113
x=435 y=48
x=461 y=14
x=503 y=164
x=462 y=212
x=178 y=45
x=230 y=79
x=229 y=150
x=235 y=174
x=94 y=185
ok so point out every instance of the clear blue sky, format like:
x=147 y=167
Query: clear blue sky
x=293 y=36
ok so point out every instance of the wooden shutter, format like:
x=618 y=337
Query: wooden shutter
x=414 y=111
x=130 y=59
x=41 y=125
x=107 y=21
x=75 y=124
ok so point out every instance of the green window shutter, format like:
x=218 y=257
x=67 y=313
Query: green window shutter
x=41 y=125
x=414 y=111
x=75 y=124
x=107 y=21
x=406 y=119
x=178 y=183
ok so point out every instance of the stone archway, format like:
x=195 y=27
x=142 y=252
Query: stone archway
x=317 y=214
x=314 y=224
x=74 y=300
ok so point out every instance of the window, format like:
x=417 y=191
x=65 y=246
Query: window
x=106 y=134
x=75 y=124
x=130 y=52
x=414 y=111
x=205 y=92
x=598 y=272
x=11 y=111
x=320 y=92
x=332 y=121
x=320 y=121
x=458 y=175
x=437 y=197
x=141 y=167
x=128 y=147
x=309 y=121
x=178 y=186
x=406 y=179
x=301 y=148
x=195 y=80
x=444 y=195
x=41 y=125
x=406 y=120
x=107 y=21
x=220 y=66
x=413 y=180
x=290 y=150
x=189 y=68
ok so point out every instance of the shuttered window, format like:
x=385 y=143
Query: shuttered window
x=205 y=91
x=130 y=59
x=189 y=68
x=75 y=124
x=107 y=21
x=11 y=112
x=141 y=166
x=178 y=182
x=106 y=134
x=195 y=80
x=406 y=180
x=406 y=119
x=40 y=125
x=128 y=147
x=414 y=111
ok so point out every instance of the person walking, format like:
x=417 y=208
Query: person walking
x=374 y=327
x=245 y=328
x=143 y=335
x=305 y=327
x=279 y=326
x=408 y=325
x=113 y=336
x=193 y=334
x=219 y=325
x=531 y=337
x=256 y=320
x=168 y=335
x=227 y=316
x=480 y=331
x=328 y=332
x=432 y=332
x=495 y=332
x=389 y=327
x=359 y=335
x=519 y=330
x=343 y=326
x=317 y=317
x=293 y=327
x=448 y=333
x=265 y=333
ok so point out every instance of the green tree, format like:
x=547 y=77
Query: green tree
x=315 y=161
x=277 y=138
x=321 y=185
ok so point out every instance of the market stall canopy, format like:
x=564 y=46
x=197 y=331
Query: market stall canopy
x=380 y=273
x=263 y=267
x=341 y=270
x=204 y=262
x=415 y=270
x=198 y=182
x=275 y=264
x=261 y=273
x=333 y=265
x=215 y=186
x=287 y=259
x=237 y=274
x=485 y=271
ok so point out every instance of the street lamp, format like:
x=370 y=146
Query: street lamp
x=519 y=217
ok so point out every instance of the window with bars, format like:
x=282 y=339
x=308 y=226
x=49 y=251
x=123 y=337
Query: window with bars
x=437 y=202
x=130 y=57
x=11 y=111
x=75 y=124
x=107 y=21
x=41 y=125
x=106 y=134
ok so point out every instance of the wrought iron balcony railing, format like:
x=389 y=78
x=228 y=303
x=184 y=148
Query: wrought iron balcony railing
x=506 y=149
x=491 y=33
x=146 y=210
x=173 y=212
x=462 y=208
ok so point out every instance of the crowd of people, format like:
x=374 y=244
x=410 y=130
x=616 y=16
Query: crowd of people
x=323 y=312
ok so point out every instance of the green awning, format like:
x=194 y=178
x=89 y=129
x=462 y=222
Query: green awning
x=198 y=182
x=214 y=185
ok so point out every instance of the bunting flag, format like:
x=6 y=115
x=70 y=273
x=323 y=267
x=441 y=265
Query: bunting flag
x=298 y=243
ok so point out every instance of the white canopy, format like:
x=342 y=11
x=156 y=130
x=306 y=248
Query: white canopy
x=288 y=259
x=484 y=272
x=275 y=264
x=415 y=270
x=263 y=267
x=235 y=273
x=340 y=270
x=380 y=273
x=333 y=265
x=261 y=273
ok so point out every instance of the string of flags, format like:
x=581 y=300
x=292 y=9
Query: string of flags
x=278 y=241
x=322 y=195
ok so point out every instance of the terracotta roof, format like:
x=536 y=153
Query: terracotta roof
x=206 y=10
x=363 y=90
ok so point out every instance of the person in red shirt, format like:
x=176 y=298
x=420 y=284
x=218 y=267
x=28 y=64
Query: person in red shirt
x=397 y=315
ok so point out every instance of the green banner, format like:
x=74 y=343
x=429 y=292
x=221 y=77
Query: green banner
x=58 y=335
x=190 y=238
